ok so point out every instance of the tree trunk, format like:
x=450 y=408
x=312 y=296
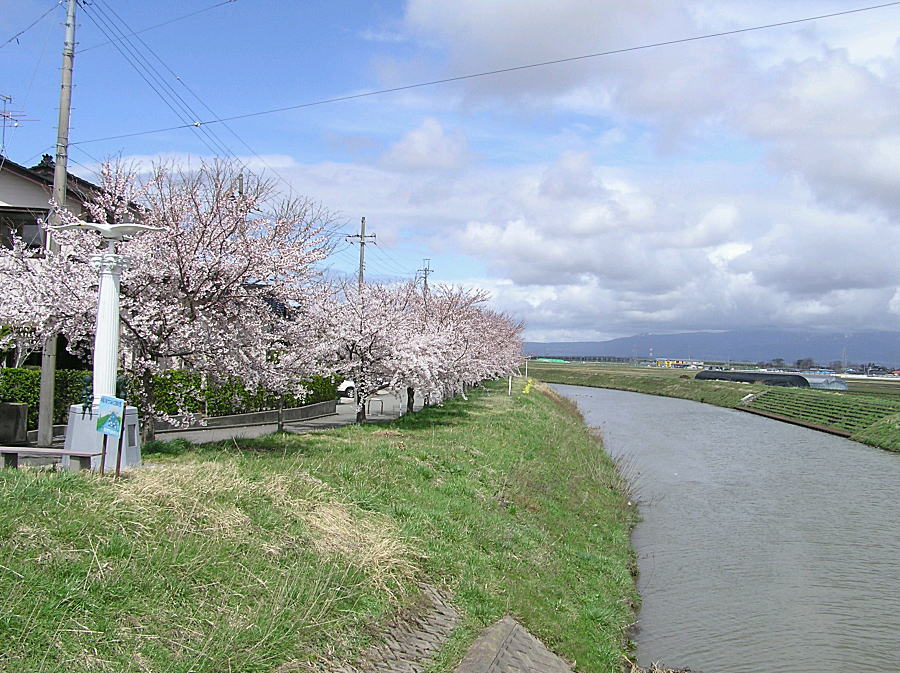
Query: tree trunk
x=148 y=424
x=360 y=408
x=410 y=397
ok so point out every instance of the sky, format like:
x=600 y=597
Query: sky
x=747 y=180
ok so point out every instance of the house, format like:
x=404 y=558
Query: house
x=25 y=195
x=24 y=201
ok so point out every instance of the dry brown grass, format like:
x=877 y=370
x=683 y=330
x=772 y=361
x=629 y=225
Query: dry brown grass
x=365 y=540
x=205 y=498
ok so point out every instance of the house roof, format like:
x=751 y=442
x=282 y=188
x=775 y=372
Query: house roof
x=42 y=173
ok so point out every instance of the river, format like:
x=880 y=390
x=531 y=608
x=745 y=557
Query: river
x=764 y=547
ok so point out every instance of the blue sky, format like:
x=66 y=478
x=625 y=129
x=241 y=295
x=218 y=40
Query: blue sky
x=740 y=181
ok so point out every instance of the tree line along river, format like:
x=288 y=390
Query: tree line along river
x=764 y=547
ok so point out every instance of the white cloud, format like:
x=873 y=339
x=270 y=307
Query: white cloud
x=428 y=147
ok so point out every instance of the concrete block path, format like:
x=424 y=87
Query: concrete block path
x=507 y=647
x=409 y=644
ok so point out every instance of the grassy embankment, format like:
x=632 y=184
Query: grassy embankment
x=285 y=553
x=869 y=415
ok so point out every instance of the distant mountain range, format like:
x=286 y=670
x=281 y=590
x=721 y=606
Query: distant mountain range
x=751 y=345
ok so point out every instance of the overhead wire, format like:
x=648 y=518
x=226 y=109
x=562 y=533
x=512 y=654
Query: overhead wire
x=498 y=71
x=153 y=79
x=193 y=93
x=31 y=25
x=189 y=109
x=389 y=261
x=159 y=25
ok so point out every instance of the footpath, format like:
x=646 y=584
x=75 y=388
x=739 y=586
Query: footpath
x=384 y=406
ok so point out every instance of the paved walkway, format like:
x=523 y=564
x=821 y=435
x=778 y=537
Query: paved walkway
x=381 y=407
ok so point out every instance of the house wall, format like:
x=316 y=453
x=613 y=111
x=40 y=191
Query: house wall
x=19 y=192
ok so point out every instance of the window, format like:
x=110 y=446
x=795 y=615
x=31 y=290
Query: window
x=25 y=224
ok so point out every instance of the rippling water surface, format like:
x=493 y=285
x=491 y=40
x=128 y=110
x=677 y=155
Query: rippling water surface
x=765 y=547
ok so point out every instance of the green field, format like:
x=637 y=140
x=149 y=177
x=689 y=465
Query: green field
x=286 y=553
x=869 y=412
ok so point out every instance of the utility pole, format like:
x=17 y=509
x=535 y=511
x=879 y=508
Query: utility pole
x=60 y=175
x=362 y=250
x=426 y=270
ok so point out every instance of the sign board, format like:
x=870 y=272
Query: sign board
x=111 y=416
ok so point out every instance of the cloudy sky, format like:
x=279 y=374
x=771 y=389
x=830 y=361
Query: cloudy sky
x=744 y=180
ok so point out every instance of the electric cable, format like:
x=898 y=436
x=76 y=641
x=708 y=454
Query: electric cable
x=129 y=53
x=188 y=108
x=391 y=262
x=158 y=25
x=31 y=25
x=498 y=71
x=179 y=100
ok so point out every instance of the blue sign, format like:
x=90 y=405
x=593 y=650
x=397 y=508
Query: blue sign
x=111 y=416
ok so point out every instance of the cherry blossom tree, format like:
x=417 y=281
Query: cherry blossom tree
x=437 y=342
x=221 y=289
x=368 y=326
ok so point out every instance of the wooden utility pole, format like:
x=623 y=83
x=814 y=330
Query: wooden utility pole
x=60 y=176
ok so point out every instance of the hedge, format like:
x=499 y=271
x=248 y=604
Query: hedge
x=24 y=385
x=172 y=389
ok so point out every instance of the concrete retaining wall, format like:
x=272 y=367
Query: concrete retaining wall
x=255 y=418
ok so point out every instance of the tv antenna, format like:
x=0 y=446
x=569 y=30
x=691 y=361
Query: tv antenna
x=9 y=118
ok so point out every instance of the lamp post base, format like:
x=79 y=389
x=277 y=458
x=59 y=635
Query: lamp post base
x=82 y=435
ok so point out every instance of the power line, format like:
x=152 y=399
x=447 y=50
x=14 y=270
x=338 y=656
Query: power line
x=391 y=262
x=157 y=25
x=152 y=77
x=498 y=71
x=192 y=114
x=31 y=25
x=181 y=101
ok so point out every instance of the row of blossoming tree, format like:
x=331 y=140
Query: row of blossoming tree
x=231 y=286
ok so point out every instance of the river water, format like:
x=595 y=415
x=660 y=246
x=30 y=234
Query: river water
x=764 y=547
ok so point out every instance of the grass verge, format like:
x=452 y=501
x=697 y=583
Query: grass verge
x=872 y=419
x=667 y=383
x=281 y=554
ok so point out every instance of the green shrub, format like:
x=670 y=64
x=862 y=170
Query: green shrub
x=175 y=391
x=24 y=386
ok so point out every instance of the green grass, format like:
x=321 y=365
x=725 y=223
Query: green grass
x=665 y=382
x=283 y=553
x=868 y=414
x=853 y=414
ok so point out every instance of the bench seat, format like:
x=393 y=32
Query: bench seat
x=11 y=455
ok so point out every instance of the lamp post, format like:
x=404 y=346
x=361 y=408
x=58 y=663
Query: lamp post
x=81 y=432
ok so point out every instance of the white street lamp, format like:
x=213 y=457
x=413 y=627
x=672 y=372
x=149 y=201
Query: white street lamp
x=81 y=433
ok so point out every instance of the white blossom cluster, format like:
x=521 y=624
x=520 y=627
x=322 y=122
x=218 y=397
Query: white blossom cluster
x=229 y=287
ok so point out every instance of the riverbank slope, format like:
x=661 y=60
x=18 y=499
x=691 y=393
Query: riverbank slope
x=870 y=419
x=289 y=552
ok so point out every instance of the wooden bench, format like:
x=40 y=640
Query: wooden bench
x=11 y=455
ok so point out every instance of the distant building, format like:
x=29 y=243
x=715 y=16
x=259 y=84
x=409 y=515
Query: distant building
x=679 y=364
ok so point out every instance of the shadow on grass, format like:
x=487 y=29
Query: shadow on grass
x=452 y=413
x=275 y=443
